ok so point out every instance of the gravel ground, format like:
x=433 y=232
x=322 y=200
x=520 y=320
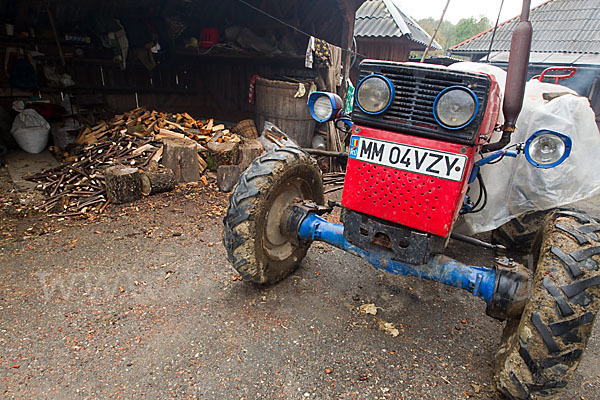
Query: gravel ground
x=143 y=304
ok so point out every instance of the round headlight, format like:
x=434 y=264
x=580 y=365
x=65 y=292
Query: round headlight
x=547 y=149
x=374 y=94
x=455 y=107
x=323 y=108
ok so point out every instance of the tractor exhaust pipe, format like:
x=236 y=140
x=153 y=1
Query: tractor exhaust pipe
x=518 y=62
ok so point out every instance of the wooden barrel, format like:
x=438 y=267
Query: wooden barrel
x=275 y=102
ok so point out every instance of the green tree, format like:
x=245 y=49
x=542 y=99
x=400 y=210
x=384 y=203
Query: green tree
x=469 y=27
x=446 y=33
x=450 y=34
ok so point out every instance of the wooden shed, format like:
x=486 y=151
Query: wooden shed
x=106 y=55
x=382 y=31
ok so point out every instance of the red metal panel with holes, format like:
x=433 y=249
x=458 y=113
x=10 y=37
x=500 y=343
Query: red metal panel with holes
x=422 y=202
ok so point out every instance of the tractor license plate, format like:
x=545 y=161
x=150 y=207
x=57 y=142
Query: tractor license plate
x=408 y=158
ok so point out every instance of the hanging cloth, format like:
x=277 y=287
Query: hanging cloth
x=322 y=53
x=308 y=60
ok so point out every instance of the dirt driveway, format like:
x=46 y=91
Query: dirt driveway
x=142 y=304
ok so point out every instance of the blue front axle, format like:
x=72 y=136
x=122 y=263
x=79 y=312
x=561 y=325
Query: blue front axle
x=479 y=281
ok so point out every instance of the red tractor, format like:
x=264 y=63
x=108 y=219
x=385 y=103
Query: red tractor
x=420 y=136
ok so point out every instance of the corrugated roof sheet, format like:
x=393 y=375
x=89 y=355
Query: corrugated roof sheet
x=552 y=58
x=571 y=26
x=383 y=18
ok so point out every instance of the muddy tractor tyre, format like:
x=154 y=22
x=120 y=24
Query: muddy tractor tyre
x=540 y=352
x=272 y=183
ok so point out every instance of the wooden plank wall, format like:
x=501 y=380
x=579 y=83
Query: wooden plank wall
x=392 y=49
x=202 y=86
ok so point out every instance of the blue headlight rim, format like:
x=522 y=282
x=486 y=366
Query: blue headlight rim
x=311 y=103
x=565 y=138
x=450 y=88
x=392 y=93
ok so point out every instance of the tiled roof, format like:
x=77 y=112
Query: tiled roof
x=382 y=18
x=571 y=26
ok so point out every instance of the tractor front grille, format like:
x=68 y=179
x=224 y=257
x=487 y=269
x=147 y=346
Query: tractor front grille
x=416 y=88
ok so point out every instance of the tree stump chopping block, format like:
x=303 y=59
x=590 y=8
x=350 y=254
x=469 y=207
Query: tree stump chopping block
x=249 y=151
x=228 y=176
x=181 y=156
x=123 y=184
x=226 y=153
x=157 y=181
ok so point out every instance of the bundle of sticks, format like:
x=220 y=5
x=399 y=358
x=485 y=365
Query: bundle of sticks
x=79 y=187
x=333 y=181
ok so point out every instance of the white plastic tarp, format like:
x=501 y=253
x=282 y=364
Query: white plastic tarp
x=514 y=186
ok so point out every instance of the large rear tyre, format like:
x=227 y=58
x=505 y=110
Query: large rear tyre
x=540 y=352
x=255 y=245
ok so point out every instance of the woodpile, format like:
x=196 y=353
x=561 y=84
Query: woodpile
x=144 y=123
x=78 y=187
x=125 y=158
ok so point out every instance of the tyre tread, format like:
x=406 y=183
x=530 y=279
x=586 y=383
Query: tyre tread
x=557 y=334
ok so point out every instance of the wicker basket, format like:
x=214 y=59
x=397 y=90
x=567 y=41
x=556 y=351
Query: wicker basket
x=247 y=129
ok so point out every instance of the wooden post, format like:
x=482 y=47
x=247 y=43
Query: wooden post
x=61 y=55
x=348 y=13
x=348 y=10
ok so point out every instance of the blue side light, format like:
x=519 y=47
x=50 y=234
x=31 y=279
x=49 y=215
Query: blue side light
x=311 y=105
x=390 y=86
x=565 y=138
x=456 y=87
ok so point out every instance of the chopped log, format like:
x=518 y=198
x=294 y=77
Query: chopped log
x=209 y=125
x=202 y=165
x=228 y=176
x=218 y=128
x=158 y=155
x=123 y=184
x=249 y=151
x=159 y=181
x=165 y=134
x=141 y=149
x=176 y=125
x=181 y=156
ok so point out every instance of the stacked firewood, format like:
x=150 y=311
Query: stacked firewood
x=133 y=139
x=144 y=123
